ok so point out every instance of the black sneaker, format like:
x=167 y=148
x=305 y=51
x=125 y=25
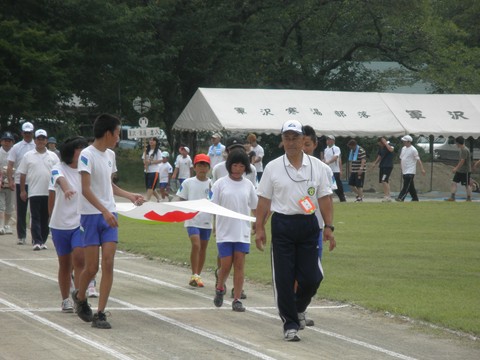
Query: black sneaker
x=243 y=296
x=238 y=306
x=82 y=308
x=100 y=321
x=218 y=299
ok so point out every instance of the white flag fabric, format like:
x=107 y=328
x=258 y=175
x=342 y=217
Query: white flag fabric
x=176 y=211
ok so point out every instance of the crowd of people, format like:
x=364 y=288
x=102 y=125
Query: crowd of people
x=71 y=197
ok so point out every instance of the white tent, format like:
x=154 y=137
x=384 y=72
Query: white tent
x=331 y=112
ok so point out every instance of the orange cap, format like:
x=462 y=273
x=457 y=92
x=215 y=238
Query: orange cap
x=201 y=158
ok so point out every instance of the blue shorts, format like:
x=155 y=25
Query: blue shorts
x=228 y=248
x=163 y=185
x=66 y=240
x=204 y=233
x=96 y=231
x=151 y=180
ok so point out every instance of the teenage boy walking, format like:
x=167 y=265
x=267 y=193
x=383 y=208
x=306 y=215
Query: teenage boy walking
x=98 y=217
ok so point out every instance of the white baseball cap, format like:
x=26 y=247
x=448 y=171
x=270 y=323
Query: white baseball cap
x=40 y=132
x=331 y=137
x=165 y=154
x=186 y=149
x=407 y=138
x=27 y=127
x=292 y=125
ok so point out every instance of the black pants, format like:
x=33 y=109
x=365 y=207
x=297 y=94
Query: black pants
x=408 y=187
x=39 y=214
x=295 y=257
x=21 y=213
x=339 y=191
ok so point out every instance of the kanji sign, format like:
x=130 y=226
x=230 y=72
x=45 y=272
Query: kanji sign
x=139 y=133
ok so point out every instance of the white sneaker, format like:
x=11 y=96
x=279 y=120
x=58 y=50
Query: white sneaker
x=22 y=241
x=91 y=291
x=387 y=199
x=67 y=306
x=291 y=335
x=37 y=247
x=43 y=247
x=2 y=231
x=8 y=229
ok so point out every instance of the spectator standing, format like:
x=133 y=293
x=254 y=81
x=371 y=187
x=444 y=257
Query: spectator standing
x=165 y=171
x=236 y=193
x=216 y=150
x=259 y=154
x=385 y=163
x=408 y=162
x=358 y=165
x=6 y=194
x=152 y=157
x=64 y=191
x=199 y=228
x=15 y=156
x=332 y=156
x=35 y=169
x=183 y=165
x=462 y=171
x=292 y=187
x=98 y=216
x=52 y=145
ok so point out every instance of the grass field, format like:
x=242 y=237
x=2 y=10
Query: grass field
x=420 y=260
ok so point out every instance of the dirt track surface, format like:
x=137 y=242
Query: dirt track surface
x=156 y=315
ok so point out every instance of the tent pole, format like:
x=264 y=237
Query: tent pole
x=430 y=140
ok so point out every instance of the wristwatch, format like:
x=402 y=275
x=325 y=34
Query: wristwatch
x=331 y=227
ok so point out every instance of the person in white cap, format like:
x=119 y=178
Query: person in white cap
x=216 y=150
x=183 y=165
x=332 y=156
x=35 y=169
x=293 y=186
x=165 y=171
x=408 y=162
x=15 y=156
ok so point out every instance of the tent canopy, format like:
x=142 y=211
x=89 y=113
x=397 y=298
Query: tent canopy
x=332 y=112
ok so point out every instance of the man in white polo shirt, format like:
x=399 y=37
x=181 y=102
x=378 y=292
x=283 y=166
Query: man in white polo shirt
x=15 y=156
x=35 y=169
x=293 y=186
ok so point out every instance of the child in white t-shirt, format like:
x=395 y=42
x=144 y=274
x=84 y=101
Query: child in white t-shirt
x=165 y=171
x=64 y=190
x=236 y=193
x=200 y=227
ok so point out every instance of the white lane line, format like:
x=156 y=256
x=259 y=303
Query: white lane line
x=187 y=327
x=65 y=331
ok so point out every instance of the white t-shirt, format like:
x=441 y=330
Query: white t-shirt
x=184 y=164
x=215 y=153
x=100 y=165
x=285 y=186
x=16 y=154
x=194 y=189
x=259 y=152
x=238 y=196
x=220 y=170
x=37 y=166
x=329 y=153
x=409 y=157
x=65 y=214
x=153 y=155
x=164 y=169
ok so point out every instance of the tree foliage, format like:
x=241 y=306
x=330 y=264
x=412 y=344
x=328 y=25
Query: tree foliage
x=108 y=52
